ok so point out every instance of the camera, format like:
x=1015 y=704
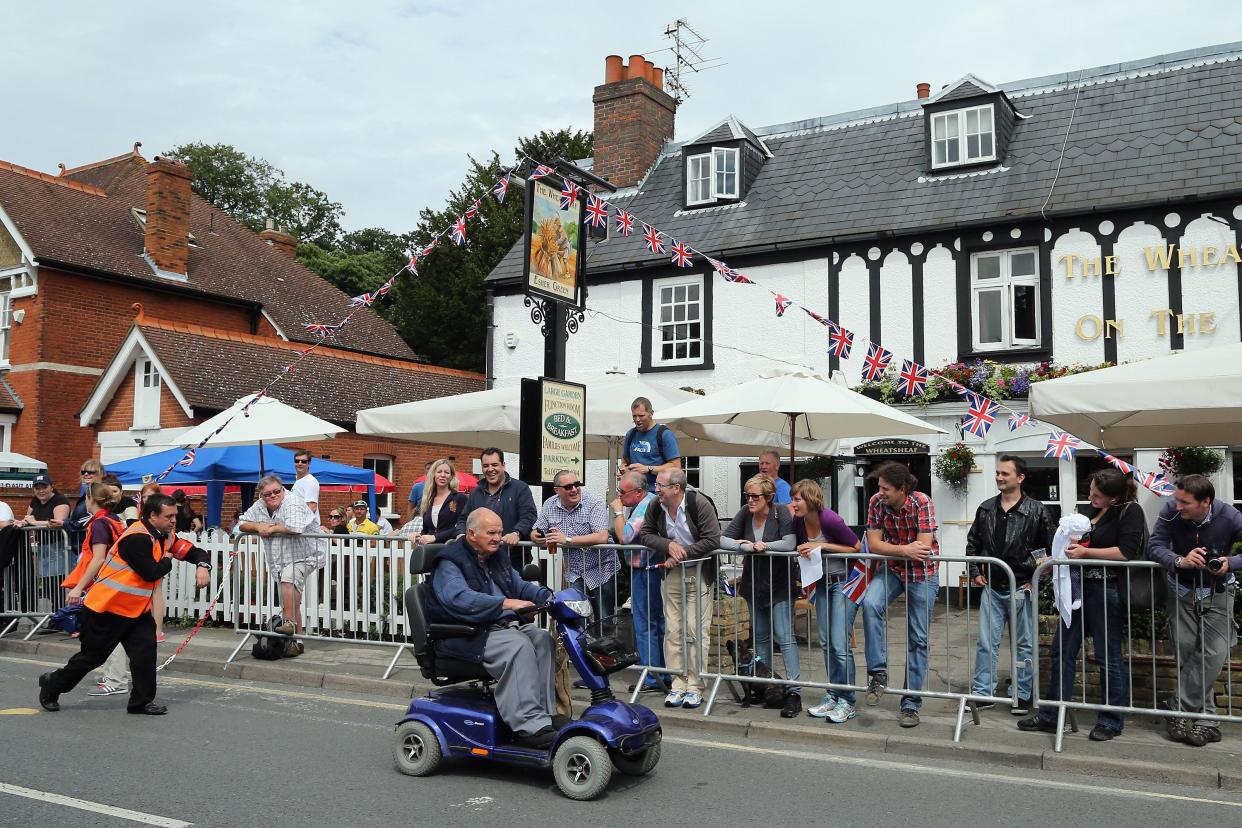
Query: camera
x=1213 y=559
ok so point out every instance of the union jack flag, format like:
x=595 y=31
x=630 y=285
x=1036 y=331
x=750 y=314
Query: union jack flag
x=383 y=289
x=188 y=460
x=840 y=342
x=727 y=273
x=502 y=188
x=1121 y=465
x=958 y=388
x=366 y=300
x=412 y=265
x=322 y=329
x=596 y=212
x=539 y=172
x=459 y=231
x=828 y=323
x=472 y=210
x=1016 y=420
x=1155 y=482
x=876 y=362
x=625 y=223
x=569 y=194
x=1061 y=445
x=682 y=254
x=782 y=303
x=855 y=586
x=912 y=381
x=426 y=251
x=654 y=238
x=980 y=414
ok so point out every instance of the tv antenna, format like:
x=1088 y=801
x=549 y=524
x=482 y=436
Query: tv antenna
x=688 y=56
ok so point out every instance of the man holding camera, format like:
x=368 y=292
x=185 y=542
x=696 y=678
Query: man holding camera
x=1192 y=539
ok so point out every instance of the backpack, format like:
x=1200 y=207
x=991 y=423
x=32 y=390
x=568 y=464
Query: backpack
x=659 y=441
x=268 y=647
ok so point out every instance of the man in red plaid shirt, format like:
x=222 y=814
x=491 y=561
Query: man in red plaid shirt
x=901 y=522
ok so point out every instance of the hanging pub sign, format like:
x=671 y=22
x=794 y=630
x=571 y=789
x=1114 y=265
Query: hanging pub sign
x=555 y=242
x=553 y=429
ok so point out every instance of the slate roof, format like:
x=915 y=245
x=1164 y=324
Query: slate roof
x=213 y=368
x=730 y=129
x=967 y=87
x=84 y=219
x=1154 y=130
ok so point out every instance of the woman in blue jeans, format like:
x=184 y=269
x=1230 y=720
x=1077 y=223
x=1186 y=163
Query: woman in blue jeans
x=818 y=529
x=767 y=580
x=1117 y=529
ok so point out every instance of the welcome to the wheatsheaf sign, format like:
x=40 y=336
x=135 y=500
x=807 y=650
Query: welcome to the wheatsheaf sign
x=1091 y=326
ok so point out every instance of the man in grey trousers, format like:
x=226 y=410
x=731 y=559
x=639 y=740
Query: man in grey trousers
x=1192 y=539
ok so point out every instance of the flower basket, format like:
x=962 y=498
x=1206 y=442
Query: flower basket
x=1178 y=461
x=953 y=466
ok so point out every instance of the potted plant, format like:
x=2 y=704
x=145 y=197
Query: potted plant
x=953 y=466
x=1178 y=461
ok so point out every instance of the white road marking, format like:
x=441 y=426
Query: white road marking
x=989 y=776
x=94 y=807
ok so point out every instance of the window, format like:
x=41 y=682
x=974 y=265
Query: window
x=6 y=325
x=146 y=394
x=15 y=282
x=965 y=136
x=693 y=467
x=1004 y=299
x=679 y=311
x=381 y=465
x=711 y=176
x=1043 y=483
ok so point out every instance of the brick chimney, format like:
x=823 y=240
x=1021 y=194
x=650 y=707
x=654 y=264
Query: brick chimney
x=167 y=237
x=633 y=119
x=281 y=241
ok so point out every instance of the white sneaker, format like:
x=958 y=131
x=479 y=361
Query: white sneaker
x=821 y=710
x=675 y=699
x=102 y=689
x=842 y=712
x=692 y=700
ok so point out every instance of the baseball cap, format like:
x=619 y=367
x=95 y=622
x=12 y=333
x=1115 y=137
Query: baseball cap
x=41 y=480
x=362 y=503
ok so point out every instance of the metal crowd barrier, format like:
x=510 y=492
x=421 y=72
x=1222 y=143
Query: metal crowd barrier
x=1116 y=621
x=31 y=582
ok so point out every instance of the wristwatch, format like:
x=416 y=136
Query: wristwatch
x=615 y=513
x=203 y=565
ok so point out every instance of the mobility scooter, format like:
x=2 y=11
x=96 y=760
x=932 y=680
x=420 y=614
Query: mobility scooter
x=463 y=722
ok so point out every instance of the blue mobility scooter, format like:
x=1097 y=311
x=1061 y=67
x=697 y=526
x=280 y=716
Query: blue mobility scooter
x=463 y=722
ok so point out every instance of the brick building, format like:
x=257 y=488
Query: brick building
x=131 y=309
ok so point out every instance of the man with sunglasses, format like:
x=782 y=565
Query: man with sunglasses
x=305 y=484
x=282 y=519
x=574 y=519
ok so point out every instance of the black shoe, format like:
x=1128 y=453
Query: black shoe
x=148 y=709
x=1021 y=708
x=540 y=739
x=792 y=706
x=579 y=684
x=1102 y=733
x=48 y=700
x=559 y=721
x=1035 y=724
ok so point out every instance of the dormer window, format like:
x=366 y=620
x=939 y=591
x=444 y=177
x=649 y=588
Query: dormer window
x=963 y=136
x=711 y=176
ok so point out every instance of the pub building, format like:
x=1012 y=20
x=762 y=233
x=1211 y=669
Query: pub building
x=1076 y=219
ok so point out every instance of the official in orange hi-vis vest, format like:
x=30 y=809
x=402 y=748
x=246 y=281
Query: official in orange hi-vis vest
x=117 y=608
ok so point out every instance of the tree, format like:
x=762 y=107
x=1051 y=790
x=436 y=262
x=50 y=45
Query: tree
x=442 y=312
x=252 y=191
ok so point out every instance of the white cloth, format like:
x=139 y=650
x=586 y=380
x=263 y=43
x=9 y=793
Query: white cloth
x=1070 y=529
x=6 y=512
x=307 y=487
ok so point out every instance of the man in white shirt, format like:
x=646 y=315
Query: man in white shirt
x=305 y=485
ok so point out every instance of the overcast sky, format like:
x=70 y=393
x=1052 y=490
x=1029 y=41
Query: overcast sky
x=379 y=103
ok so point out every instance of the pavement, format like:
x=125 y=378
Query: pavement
x=1142 y=753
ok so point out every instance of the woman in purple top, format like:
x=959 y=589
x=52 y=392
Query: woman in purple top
x=819 y=530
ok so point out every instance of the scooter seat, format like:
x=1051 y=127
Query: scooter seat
x=444 y=671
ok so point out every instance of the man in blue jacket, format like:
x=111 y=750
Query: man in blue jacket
x=471 y=584
x=510 y=499
x=1192 y=540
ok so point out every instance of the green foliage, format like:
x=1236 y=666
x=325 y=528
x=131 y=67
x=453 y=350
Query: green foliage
x=994 y=380
x=953 y=465
x=1179 y=461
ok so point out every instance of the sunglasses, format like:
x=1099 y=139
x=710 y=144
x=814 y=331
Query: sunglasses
x=301 y=462
x=273 y=493
x=750 y=496
x=85 y=472
x=334 y=517
x=569 y=487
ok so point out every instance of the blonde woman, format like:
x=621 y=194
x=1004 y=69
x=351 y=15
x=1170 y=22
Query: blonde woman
x=442 y=503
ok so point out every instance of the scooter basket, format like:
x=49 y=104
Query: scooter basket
x=608 y=655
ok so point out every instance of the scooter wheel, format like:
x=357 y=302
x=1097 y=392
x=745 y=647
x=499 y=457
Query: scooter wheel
x=415 y=749
x=581 y=768
x=639 y=764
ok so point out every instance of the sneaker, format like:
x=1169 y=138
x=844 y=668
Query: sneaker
x=1021 y=708
x=842 y=713
x=877 y=683
x=692 y=700
x=1178 y=729
x=792 y=705
x=908 y=718
x=675 y=699
x=821 y=710
x=160 y=638
x=1201 y=734
x=103 y=689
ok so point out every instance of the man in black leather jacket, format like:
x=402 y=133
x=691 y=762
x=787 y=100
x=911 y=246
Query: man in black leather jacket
x=1018 y=530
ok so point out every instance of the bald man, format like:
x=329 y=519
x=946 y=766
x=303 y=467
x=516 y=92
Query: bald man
x=471 y=584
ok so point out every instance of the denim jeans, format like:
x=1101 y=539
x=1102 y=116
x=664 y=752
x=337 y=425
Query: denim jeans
x=1100 y=616
x=835 y=614
x=648 y=612
x=885 y=586
x=603 y=602
x=775 y=619
x=993 y=618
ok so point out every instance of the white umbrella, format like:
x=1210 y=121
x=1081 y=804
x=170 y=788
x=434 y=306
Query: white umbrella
x=267 y=420
x=1193 y=398
x=802 y=404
